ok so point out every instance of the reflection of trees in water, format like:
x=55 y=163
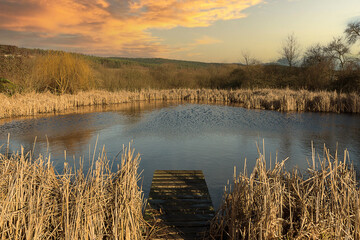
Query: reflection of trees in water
x=71 y=140
x=72 y=129
x=135 y=111
x=66 y=131
x=286 y=141
x=337 y=132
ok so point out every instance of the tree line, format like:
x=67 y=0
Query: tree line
x=321 y=67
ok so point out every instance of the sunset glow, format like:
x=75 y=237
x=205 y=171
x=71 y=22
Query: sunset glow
x=205 y=30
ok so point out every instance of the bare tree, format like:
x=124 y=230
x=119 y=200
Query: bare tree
x=290 y=50
x=248 y=58
x=315 y=55
x=353 y=32
x=319 y=68
x=338 y=50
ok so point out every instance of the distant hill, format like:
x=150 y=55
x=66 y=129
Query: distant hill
x=157 y=61
x=14 y=50
x=114 y=62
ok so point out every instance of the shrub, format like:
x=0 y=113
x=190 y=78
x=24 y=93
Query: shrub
x=6 y=86
x=348 y=80
x=61 y=72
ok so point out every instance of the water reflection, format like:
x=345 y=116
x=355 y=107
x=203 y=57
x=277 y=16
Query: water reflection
x=75 y=128
x=170 y=135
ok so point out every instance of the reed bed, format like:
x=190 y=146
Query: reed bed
x=272 y=203
x=31 y=104
x=37 y=203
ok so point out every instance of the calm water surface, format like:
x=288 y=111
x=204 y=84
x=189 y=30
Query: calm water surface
x=213 y=138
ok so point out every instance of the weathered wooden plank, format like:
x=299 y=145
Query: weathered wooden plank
x=179 y=195
x=178 y=191
x=177 y=182
x=186 y=217
x=186 y=196
x=178 y=178
x=178 y=171
x=171 y=196
x=183 y=201
x=157 y=201
x=189 y=224
x=173 y=186
x=177 y=203
x=185 y=212
x=189 y=178
x=178 y=187
x=184 y=206
x=178 y=175
x=169 y=208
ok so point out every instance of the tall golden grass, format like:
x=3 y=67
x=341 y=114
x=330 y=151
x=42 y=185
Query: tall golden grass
x=30 y=104
x=37 y=203
x=272 y=203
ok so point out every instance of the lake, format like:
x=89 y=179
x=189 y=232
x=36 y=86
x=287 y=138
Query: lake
x=181 y=135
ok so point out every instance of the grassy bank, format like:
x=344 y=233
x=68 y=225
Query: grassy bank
x=37 y=203
x=272 y=203
x=30 y=104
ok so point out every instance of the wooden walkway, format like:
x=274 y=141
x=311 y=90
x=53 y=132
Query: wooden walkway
x=183 y=203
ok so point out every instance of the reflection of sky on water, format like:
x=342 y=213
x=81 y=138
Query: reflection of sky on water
x=212 y=138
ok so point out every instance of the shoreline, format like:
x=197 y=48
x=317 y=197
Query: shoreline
x=284 y=100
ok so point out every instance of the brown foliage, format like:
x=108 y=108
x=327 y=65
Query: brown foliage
x=61 y=72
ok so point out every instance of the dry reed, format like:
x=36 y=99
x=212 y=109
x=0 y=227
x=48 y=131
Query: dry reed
x=37 y=203
x=273 y=99
x=277 y=204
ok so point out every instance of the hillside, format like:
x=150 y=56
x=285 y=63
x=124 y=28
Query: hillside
x=9 y=50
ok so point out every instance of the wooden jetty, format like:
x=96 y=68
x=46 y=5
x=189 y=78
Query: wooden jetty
x=182 y=201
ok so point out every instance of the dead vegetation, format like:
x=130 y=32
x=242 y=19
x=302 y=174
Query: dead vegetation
x=272 y=203
x=31 y=104
x=38 y=203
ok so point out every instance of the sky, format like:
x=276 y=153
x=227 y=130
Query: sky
x=197 y=30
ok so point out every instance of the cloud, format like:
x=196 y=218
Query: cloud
x=193 y=54
x=111 y=27
x=205 y=40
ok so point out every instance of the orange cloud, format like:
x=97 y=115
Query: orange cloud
x=205 y=40
x=111 y=27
